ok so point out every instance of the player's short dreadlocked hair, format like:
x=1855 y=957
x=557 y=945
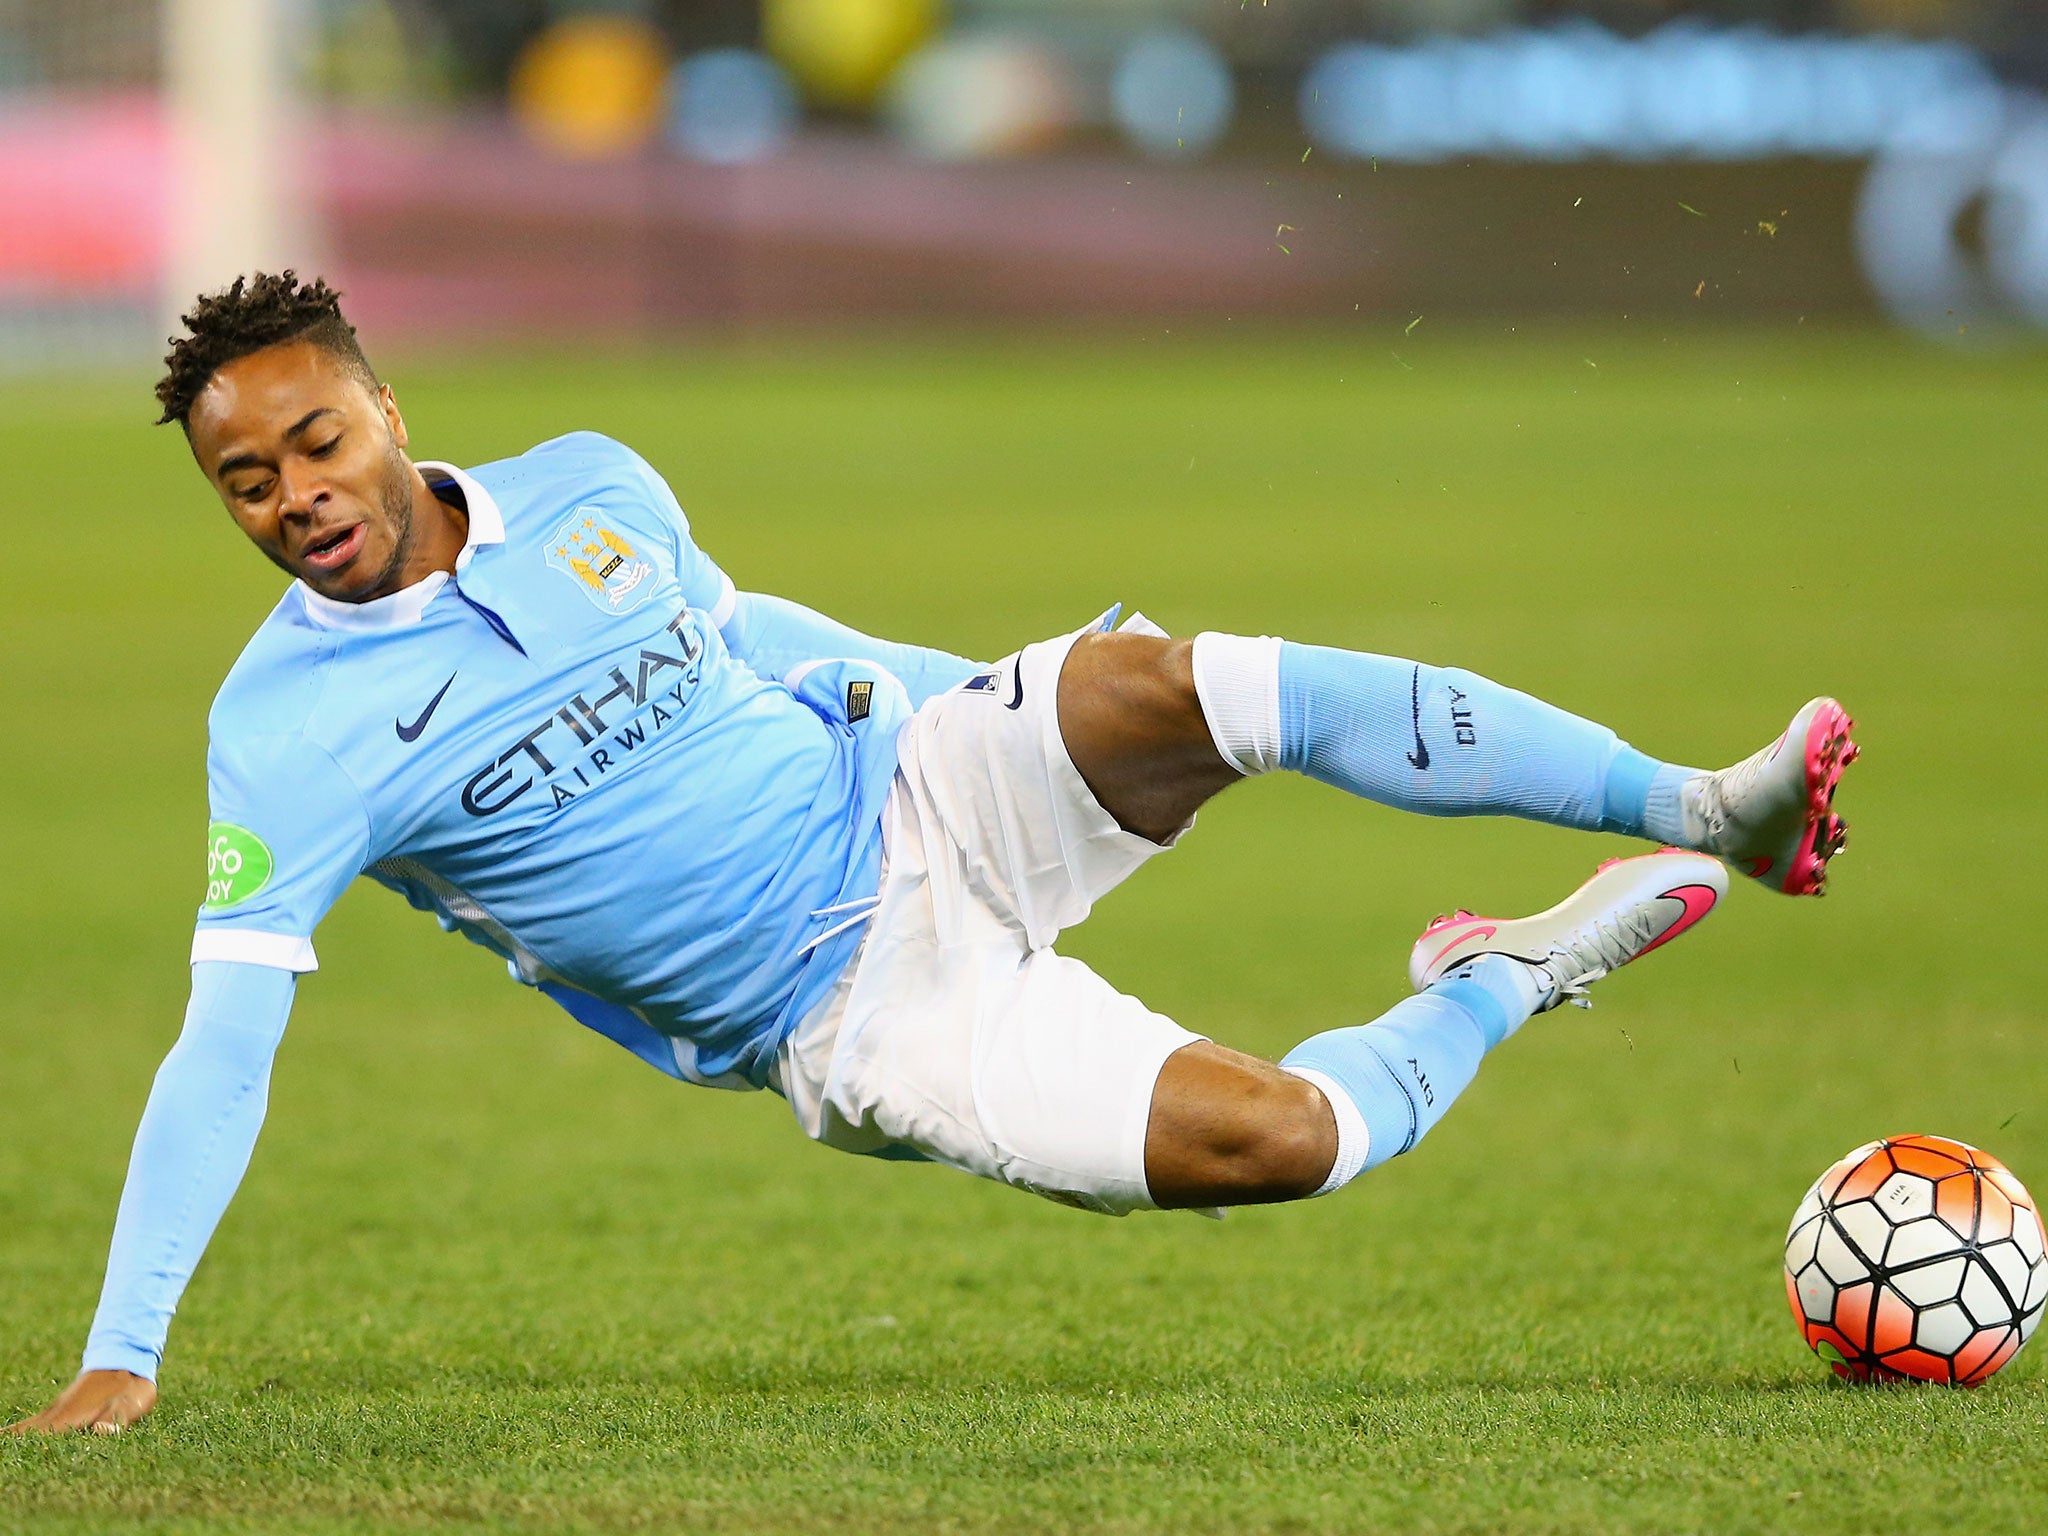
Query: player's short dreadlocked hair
x=247 y=316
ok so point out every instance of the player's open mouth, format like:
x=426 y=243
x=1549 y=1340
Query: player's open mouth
x=336 y=550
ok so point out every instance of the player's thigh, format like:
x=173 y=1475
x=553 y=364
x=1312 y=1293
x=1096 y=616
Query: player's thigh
x=1064 y=1078
x=1000 y=807
x=1025 y=1068
x=1134 y=729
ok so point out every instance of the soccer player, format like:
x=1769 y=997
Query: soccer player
x=760 y=850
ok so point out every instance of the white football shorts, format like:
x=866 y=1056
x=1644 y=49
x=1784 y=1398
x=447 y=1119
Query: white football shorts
x=955 y=1030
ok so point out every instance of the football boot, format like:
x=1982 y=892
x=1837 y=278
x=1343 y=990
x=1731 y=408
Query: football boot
x=1628 y=908
x=1772 y=815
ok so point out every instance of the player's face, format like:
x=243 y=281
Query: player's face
x=312 y=465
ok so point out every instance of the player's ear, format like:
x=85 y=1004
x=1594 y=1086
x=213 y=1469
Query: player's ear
x=388 y=403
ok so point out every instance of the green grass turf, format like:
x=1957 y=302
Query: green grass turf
x=488 y=1271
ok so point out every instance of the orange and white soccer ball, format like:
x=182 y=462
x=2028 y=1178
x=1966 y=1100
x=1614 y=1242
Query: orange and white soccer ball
x=1919 y=1258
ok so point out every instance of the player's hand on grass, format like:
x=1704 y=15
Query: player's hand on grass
x=105 y=1402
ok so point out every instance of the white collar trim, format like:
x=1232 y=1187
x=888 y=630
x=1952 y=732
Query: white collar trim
x=486 y=526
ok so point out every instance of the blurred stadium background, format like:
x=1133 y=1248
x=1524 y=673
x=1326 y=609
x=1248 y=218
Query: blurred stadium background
x=472 y=170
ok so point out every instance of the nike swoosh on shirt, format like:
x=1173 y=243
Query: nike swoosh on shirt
x=1019 y=699
x=1420 y=756
x=412 y=732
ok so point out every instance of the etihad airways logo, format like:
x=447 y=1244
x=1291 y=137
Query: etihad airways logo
x=596 y=732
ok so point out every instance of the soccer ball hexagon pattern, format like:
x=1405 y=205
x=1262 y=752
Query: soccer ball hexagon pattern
x=1917 y=1258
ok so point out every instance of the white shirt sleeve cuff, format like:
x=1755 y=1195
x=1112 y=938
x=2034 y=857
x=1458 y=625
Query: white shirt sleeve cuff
x=279 y=951
x=728 y=600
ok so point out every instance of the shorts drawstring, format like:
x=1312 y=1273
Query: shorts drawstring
x=865 y=906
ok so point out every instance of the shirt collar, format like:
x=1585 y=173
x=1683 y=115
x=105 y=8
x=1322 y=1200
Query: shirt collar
x=486 y=526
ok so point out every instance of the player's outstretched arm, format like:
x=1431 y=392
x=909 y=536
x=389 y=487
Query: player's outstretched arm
x=191 y=1150
x=105 y=1402
x=774 y=636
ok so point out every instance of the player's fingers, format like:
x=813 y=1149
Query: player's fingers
x=58 y=1416
x=43 y=1423
x=103 y=1402
x=65 y=1415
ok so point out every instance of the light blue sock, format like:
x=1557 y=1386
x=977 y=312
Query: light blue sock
x=1436 y=740
x=1390 y=1081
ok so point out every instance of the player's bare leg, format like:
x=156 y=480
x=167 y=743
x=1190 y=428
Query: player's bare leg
x=1227 y=1128
x=1134 y=726
x=1231 y=1129
x=1148 y=721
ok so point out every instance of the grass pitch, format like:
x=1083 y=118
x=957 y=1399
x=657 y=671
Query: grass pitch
x=489 y=1271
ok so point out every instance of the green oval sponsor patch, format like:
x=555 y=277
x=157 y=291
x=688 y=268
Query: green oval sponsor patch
x=238 y=864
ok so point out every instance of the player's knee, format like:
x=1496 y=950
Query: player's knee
x=1145 y=679
x=1170 y=681
x=1134 y=728
x=1173 y=673
x=1279 y=1142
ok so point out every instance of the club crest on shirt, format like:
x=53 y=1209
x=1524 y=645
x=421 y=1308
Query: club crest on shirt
x=600 y=560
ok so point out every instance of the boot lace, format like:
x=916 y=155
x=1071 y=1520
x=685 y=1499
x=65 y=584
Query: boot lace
x=1604 y=944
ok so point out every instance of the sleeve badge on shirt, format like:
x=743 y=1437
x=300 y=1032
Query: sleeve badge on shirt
x=238 y=864
x=600 y=560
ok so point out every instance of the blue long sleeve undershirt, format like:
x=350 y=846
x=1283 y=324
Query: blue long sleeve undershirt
x=207 y=1104
x=775 y=636
x=191 y=1151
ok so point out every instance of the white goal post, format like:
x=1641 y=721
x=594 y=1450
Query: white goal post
x=240 y=196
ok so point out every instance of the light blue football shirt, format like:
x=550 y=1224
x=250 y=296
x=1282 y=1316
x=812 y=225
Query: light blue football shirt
x=657 y=798
x=554 y=751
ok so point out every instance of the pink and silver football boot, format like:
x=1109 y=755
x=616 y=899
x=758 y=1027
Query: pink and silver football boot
x=1628 y=908
x=1772 y=814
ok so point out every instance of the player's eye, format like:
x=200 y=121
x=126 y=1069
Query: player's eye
x=325 y=448
x=255 y=491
